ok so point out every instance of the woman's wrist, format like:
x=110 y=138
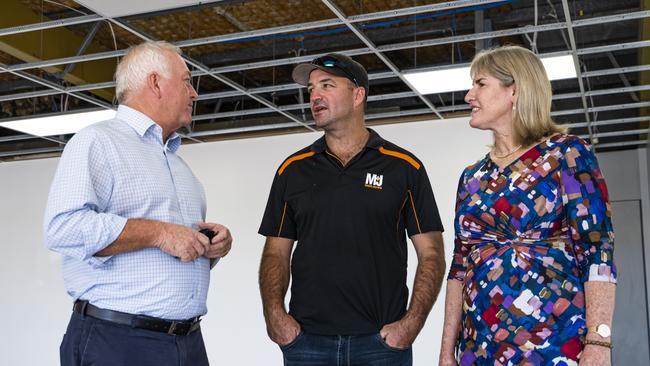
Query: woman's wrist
x=604 y=344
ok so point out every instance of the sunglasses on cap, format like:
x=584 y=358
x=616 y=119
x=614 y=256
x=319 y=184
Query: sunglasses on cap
x=333 y=63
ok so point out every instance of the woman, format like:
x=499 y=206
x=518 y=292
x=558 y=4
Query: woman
x=532 y=280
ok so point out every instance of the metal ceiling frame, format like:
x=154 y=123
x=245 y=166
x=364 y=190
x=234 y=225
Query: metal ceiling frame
x=51 y=24
x=371 y=45
x=576 y=64
x=109 y=84
x=239 y=36
x=291 y=86
x=371 y=49
x=390 y=96
x=218 y=77
x=354 y=52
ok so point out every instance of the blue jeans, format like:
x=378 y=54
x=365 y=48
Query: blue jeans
x=363 y=350
x=90 y=341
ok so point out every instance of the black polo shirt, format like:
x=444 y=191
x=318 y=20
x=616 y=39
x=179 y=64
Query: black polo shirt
x=349 y=264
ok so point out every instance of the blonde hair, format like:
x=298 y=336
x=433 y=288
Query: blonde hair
x=531 y=114
x=140 y=61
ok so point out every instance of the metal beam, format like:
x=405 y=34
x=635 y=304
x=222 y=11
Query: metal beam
x=218 y=77
x=602 y=108
x=592 y=93
x=622 y=144
x=283 y=29
x=333 y=22
x=56 y=87
x=385 y=48
x=373 y=116
x=613 y=47
x=380 y=55
x=621 y=76
x=642 y=131
x=576 y=64
x=290 y=86
x=16 y=138
x=643 y=57
x=50 y=24
x=371 y=98
x=82 y=48
x=231 y=18
x=457 y=107
x=588 y=74
x=43 y=150
x=66 y=60
x=449 y=5
x=57 y=42
x=618 y=121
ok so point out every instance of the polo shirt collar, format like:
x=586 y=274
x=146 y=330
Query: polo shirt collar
x=142 y=124
x=374 y=142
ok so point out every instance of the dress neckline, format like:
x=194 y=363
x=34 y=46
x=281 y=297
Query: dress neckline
x=508 y=167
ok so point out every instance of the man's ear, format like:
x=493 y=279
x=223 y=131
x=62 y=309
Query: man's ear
x=359 y=96
x=153 y=84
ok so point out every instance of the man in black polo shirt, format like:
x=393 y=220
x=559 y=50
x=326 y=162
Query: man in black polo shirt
x=348 y=200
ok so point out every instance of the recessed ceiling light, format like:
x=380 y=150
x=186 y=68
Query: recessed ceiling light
x=59 y=124
x=559 y=67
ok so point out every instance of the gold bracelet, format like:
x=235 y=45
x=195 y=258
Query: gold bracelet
x=599 y=343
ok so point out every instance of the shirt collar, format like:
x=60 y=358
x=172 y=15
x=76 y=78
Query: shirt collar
x=374 y=142
x=142 y=124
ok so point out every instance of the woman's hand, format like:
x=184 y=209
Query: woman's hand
x=447 y=360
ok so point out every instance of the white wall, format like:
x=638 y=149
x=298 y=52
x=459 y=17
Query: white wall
x=237 y=176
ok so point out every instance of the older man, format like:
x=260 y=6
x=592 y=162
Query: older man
x=125 y=211
x=348 y=199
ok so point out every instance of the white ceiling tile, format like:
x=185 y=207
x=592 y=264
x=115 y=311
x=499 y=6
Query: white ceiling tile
x=119 y=8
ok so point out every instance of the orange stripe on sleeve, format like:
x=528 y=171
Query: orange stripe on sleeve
x=417 y=221
x=284 y=212
x=294 y=159
x=400 y=155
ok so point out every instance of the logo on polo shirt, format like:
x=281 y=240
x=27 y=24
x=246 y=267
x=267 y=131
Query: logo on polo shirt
x=374 y=180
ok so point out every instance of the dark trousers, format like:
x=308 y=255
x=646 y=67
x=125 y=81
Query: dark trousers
x=89 y=341
x=364 y=350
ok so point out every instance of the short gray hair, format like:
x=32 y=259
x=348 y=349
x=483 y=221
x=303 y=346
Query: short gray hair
x=140 y=61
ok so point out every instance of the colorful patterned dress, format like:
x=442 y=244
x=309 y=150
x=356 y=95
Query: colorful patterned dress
x=527 y=238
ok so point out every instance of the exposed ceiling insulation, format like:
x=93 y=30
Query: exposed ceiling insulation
x=59 y=56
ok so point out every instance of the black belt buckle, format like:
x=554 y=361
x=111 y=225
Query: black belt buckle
x=80 y=306
x=172 y=328
x=195 y=325
x=183 y=327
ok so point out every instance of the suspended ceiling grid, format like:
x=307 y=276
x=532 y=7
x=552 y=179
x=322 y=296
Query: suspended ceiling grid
x=58 y=57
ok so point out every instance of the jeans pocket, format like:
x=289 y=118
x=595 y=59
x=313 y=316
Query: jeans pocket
x=382 y=341
x=292 y=343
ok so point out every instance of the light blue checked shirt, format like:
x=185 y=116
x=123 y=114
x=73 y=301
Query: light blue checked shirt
x=109 y=172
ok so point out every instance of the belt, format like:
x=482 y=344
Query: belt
x=171 y=327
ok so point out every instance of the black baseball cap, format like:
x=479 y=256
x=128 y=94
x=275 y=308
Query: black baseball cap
x=335 y=64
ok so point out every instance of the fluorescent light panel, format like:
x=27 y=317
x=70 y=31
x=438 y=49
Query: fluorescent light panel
x=559 y=67
x=458 y=78
x=61 y=124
